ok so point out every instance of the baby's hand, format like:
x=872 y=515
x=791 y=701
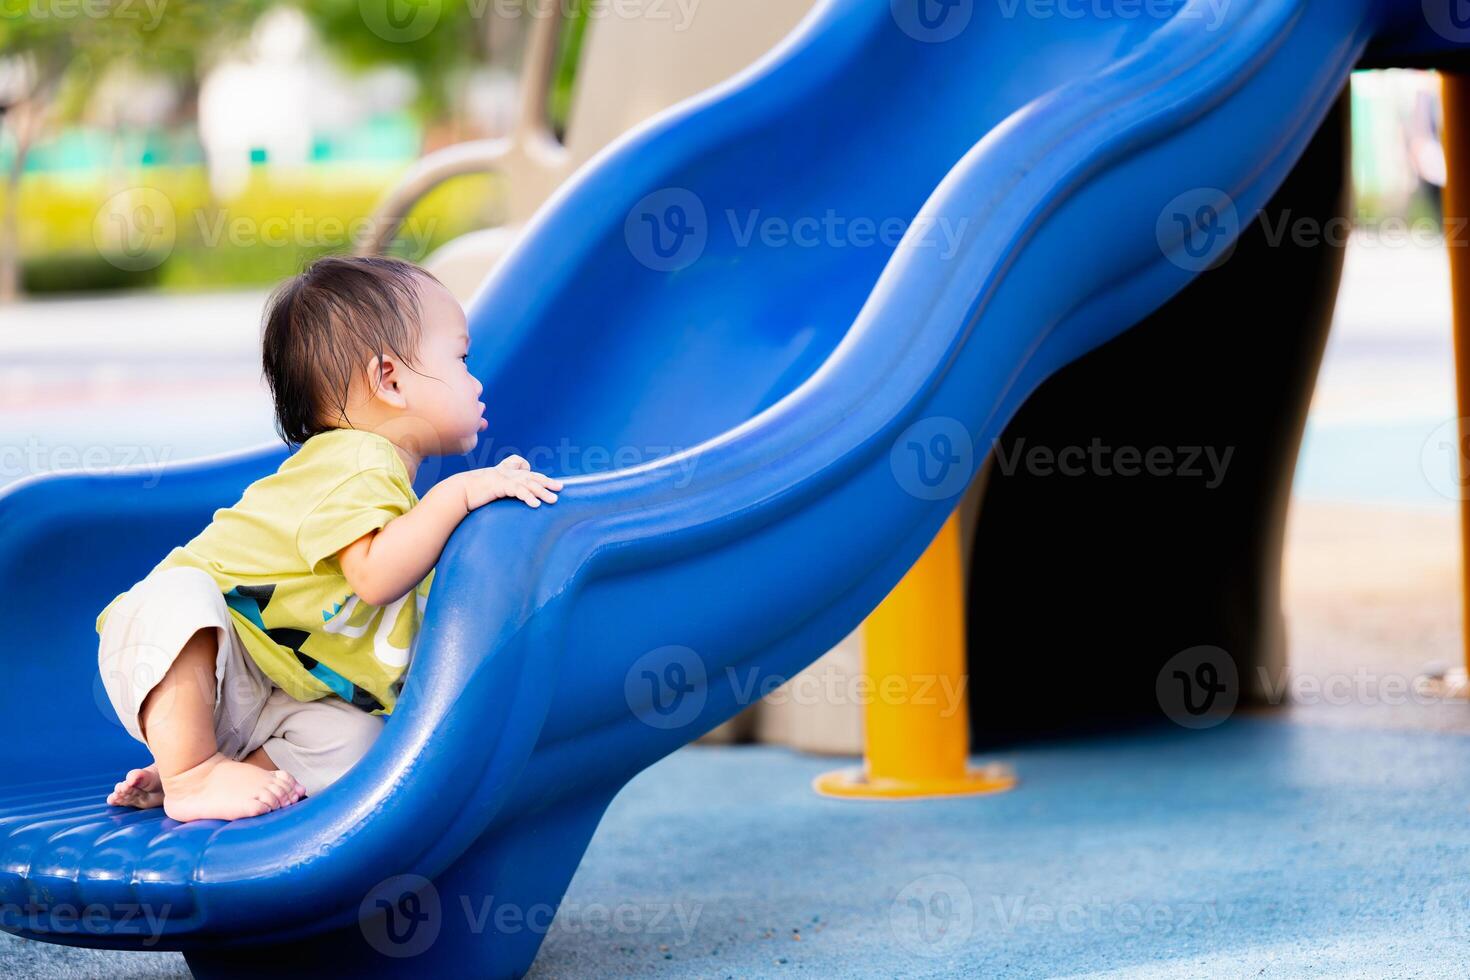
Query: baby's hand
x=513 y=477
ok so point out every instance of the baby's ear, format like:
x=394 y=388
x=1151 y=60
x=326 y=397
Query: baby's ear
x=383 y=373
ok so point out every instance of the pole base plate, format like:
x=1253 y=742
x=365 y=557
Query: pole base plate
x=854 y=784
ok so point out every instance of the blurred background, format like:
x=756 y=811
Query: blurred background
x=292 y=119
x=164 y=163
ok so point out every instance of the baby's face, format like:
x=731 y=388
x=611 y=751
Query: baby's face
x=441 y=393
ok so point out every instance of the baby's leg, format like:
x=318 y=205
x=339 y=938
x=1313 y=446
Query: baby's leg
x=177 y=720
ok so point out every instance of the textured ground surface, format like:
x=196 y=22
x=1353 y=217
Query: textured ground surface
x=1260 y=848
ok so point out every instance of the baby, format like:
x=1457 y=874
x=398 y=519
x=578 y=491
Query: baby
x=257 y=661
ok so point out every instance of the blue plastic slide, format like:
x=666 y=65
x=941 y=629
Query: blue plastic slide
x=770 y=335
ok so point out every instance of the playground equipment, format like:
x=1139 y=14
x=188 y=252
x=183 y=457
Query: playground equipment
x=917 y=736
x=631 y=68
x=761 y=437
x=1456 y=200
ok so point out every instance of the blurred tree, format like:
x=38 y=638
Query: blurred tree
x=35 y=54
x=436 y=41
x=53 y=55
x=568 y=61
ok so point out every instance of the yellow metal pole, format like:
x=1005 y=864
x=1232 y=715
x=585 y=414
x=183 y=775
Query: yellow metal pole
x=1456 y=138
x=917 y=715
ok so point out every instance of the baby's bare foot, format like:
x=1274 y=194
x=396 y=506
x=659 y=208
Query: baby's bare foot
x=142 y=789
x=222 y=789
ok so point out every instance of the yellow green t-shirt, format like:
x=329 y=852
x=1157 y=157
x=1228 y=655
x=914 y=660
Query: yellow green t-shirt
x=274 y=556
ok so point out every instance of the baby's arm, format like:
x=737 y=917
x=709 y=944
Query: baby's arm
x=383 y=565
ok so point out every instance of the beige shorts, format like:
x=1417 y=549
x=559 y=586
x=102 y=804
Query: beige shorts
x=315 y=741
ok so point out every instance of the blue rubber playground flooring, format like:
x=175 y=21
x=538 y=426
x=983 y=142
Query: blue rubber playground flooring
x=1263 y=848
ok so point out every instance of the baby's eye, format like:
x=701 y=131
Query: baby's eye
x=465 y=358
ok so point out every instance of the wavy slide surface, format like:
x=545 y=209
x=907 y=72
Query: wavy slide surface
x=769 y=336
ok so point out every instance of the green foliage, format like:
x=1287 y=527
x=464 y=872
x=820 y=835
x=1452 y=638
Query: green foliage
x=71 y=45
x=568 y=59
x=434 y=40
x=73 y=42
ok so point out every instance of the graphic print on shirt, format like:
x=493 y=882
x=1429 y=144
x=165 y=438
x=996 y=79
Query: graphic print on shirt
x=250 y=601
x=389 y=654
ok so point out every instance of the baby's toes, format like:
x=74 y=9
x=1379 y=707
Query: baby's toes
x=284 y=788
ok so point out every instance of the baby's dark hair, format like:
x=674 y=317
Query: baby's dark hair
x=321 y=328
